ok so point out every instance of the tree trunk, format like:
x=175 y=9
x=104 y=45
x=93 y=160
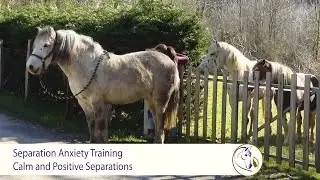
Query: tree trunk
x=317 y=12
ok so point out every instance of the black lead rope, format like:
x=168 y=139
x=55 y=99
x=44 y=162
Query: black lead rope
x=62 y=96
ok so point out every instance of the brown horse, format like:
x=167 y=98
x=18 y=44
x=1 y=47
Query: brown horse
x=276 y=69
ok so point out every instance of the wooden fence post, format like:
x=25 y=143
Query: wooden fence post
x=180 y=111
x=197 y=105
x=317 y=138
x=26 y=72
x=205 y=105
x=188 y=104
x=224 y=107
x=305 y=123
x=280 y=119
x=292 y=124
x=234 y=113
x=214 y=105
x=1 y=68
x=255 y=109
x=267 y=131
x=245 y=119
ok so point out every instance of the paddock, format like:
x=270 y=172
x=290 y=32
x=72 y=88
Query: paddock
x=216 y=122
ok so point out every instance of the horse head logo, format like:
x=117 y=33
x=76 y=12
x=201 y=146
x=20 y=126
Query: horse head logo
x=246 y=160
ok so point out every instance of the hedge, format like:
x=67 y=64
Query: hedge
x=122 y=30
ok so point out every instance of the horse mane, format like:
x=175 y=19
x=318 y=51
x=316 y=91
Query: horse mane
x=239 y=60
x=233 y=51
x=69 y=43
x=277 y=69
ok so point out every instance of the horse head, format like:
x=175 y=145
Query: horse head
x=262 y=66
x=211 y=59
x=222 y=55
x=43 y=48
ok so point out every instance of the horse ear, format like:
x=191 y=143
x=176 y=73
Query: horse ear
x=38 y=29
x=262 y=61
x=216 y=42
x=267 y=64
x=51 y=29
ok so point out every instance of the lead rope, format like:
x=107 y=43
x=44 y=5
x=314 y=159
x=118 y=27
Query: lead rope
x=62 y=96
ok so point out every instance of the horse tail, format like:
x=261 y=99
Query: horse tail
x=171 y=112
x=313 y=98
x=314 y=81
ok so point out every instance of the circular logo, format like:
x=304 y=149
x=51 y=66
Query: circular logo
x=247 y=160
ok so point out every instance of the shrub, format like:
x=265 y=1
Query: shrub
x=121 y=30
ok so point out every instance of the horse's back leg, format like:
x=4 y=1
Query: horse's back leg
x=312 y=124
x=271 y=115
x=299 y=126
x=160 y=105
x=250 y=115
x=285 y=128
x=159 y=129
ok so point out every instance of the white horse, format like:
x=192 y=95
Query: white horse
x=222 y=55
x=119 y=79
